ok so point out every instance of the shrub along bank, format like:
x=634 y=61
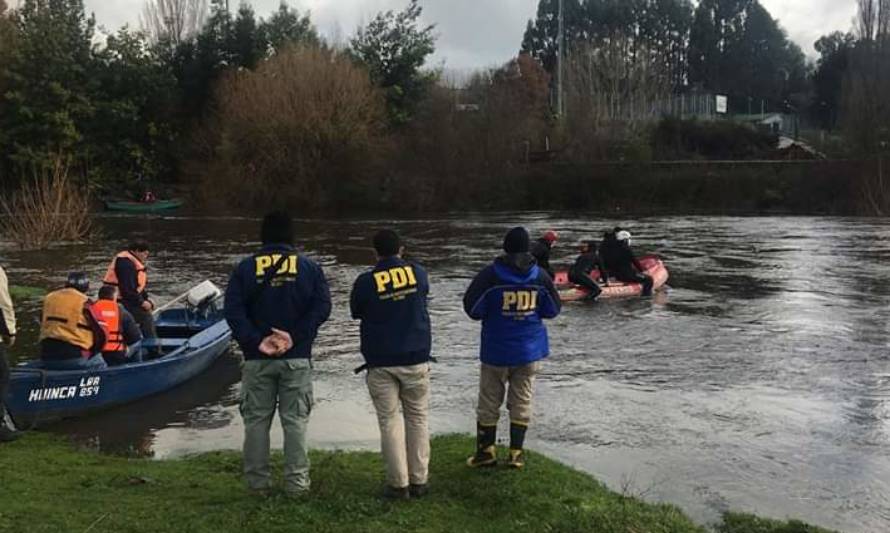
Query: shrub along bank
x=49 y=486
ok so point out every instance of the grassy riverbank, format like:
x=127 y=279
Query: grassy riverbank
x=47 y=485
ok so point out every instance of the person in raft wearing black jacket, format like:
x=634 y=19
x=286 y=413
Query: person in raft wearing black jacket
x=586 y=263
x=619 y=261
x=391 y=302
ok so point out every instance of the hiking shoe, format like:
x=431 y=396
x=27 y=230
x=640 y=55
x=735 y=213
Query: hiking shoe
x=8 y=434
x=516 y=459
x=484 y=457
x=393 y=493
x=419 y=491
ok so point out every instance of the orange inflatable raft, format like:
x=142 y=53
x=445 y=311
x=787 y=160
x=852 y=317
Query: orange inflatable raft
x=615 y=289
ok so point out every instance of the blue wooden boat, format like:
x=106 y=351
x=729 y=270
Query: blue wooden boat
x=190 y=339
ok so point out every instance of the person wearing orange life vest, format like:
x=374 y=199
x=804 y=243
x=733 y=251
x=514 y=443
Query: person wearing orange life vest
x=123 y=331
x=128 y=273
x=71 y=334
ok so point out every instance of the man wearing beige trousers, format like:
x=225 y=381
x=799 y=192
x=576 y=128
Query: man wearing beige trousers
x=391 y=302
x=512 y=297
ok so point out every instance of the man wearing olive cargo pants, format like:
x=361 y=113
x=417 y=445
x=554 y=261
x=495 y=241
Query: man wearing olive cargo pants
x=275 y=302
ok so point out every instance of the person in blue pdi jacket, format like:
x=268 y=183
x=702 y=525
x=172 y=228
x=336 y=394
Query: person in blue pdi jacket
x=391 y=302
x=275 y=303
x=511 y=297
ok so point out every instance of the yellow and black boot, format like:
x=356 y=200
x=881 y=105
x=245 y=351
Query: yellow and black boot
x=516 y=459
x=486 y=451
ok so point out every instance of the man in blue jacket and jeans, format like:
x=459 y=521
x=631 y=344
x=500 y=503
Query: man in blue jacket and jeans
x=391 y=302
x=511 y=297
x=275 y=302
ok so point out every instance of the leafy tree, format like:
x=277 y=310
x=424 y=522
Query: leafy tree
x=48 y=100
x=394 y=47
x=541 y=39
x=737 y=48
x=834 y=51
x=246 y=45
x=658 y=27
x=198 y=64
x=132 y=132
x=286 y=26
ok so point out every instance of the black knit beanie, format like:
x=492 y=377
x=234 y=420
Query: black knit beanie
x=516 y=241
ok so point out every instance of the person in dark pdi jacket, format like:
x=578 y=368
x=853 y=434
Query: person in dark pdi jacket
x=276 y=301
x=391 y=302
x=512 y=297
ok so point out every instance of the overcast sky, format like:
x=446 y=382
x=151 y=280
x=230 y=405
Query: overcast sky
x=481 y=33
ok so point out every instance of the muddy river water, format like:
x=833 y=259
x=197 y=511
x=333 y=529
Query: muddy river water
x=760 y=381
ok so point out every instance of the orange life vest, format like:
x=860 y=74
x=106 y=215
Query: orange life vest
x=141 y=274
x=110 y=318
x=63 y=318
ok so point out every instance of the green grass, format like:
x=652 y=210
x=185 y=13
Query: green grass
x=20 y=292
x=47 y=485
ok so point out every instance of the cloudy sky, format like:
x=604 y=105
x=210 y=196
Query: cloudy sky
x=479 y=33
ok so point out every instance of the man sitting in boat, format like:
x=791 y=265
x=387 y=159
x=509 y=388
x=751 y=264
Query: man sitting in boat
x=71 y=335
x=123 y=331
x=619 y=261
x=586 y=263
x=541 y=250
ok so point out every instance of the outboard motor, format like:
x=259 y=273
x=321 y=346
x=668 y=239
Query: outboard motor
x=203 y=300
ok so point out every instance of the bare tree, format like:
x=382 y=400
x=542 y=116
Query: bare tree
x=873 y=20
x=174 y=21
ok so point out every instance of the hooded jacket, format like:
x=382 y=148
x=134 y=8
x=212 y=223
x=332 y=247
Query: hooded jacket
x=296 y=300
x=512 y=297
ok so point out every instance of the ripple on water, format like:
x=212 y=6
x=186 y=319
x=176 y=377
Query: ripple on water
x=759 y=382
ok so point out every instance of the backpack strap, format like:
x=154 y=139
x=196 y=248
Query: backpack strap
x=261 y=288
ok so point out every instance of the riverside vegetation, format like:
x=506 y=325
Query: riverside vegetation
x=50 y=486
x=249 y=112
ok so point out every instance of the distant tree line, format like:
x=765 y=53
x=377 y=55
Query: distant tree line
x=254 y=111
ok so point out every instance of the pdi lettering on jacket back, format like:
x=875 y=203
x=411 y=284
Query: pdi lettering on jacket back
x=265 y=262
x=396 y=283
x=519 y=303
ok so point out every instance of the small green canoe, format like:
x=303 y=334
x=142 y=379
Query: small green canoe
x=144 y=207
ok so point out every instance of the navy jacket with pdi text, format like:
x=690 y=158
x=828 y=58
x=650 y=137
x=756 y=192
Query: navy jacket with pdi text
x=391 y=302
x=511 y=297
x=297 y=300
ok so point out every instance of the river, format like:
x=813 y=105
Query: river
x=759 y=382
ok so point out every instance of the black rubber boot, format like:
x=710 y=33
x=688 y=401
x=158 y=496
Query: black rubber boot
x=486 y=451
x=517 y=442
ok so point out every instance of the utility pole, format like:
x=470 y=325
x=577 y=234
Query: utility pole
x=561 y=51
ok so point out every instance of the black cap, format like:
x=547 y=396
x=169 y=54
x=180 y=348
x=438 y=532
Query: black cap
x=78 y=281
x=387 y=243
x=516 y=241
x=278 y=228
